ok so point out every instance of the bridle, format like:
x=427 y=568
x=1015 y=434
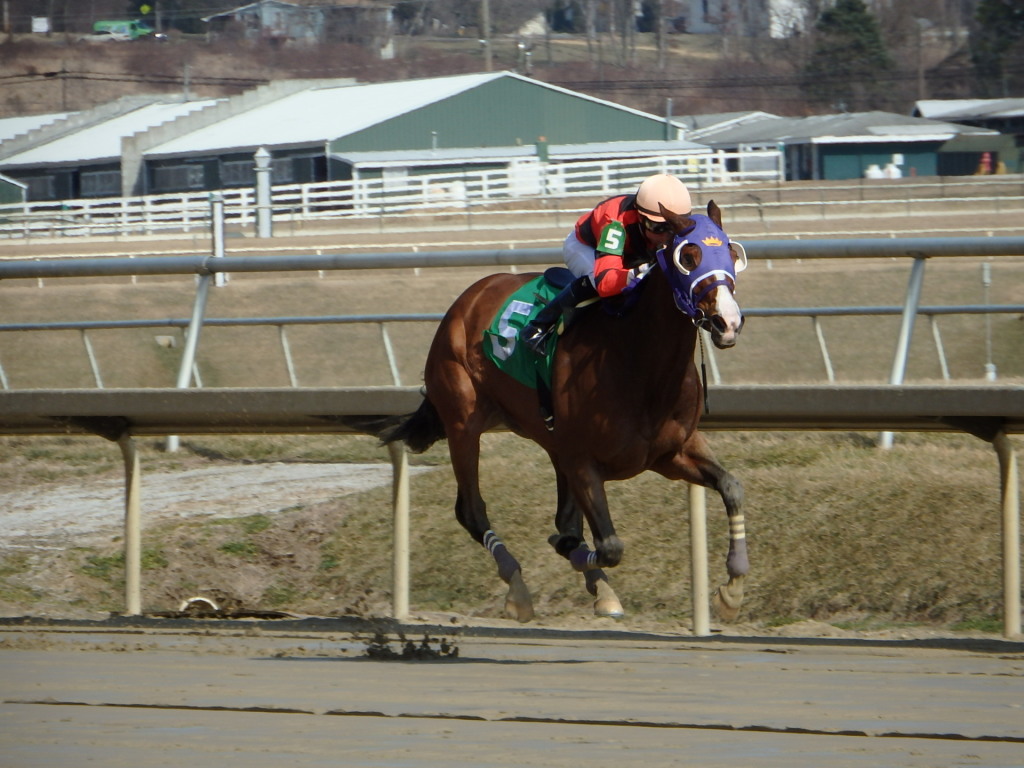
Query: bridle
x=690 y=286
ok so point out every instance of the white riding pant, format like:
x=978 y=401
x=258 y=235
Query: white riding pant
x=579 y=257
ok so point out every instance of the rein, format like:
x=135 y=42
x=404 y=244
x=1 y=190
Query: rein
x=703 y=371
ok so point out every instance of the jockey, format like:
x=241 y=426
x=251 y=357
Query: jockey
x=609 y=250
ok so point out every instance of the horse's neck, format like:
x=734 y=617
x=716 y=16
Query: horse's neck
x=673 y=334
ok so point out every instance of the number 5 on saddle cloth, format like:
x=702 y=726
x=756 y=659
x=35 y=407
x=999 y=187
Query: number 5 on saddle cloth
x=501 y=339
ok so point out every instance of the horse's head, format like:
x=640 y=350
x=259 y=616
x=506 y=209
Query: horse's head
x=701 y=264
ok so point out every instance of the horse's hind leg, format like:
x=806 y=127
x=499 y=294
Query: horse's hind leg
x=471 y=512
x=569 y=539
x=697 y=464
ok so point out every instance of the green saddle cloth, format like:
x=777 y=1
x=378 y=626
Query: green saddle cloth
x=501 y=339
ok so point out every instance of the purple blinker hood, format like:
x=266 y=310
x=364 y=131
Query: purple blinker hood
x=715 y=262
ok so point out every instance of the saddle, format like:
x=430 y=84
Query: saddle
x=501 y=338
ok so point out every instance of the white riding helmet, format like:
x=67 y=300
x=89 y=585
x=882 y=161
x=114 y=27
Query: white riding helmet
x=666 y=190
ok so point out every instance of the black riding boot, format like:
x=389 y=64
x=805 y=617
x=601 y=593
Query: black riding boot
x=536 y=333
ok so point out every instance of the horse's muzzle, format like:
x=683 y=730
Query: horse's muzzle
x=724 y=334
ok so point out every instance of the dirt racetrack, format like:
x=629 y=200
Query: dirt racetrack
x=306 y=693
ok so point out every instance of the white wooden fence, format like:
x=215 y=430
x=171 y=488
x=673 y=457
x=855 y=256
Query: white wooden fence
x=363 y=197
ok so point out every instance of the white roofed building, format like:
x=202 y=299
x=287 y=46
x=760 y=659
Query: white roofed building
x=312 y=129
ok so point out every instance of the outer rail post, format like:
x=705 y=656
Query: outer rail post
x=1010 y=490
x=132 y=527
x=699 y=561
x=400 y=503
x=264 y=211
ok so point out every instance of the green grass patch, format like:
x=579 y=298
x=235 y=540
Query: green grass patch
x=871 y=624
x=979 y=624
x=246 y=550
x=329 y=562
x=13 y=563
x=255 y=523
x=104 y=567
x=281 y=594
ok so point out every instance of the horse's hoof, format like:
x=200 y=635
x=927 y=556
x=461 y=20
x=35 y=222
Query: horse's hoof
x=727 y=600
x=607 y=603
x=608 y=609
x=518 y=603
x=723 y=610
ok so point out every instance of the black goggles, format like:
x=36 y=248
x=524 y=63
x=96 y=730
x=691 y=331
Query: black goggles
x=657 y=227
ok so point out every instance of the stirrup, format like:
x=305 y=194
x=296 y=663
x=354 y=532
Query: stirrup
x=537 y=340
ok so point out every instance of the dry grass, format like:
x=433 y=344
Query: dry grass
x=838 y=531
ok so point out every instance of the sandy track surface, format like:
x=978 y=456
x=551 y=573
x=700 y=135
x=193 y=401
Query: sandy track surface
x=306 y=696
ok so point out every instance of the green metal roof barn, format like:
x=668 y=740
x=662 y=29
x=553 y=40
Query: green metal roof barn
x=310 y=131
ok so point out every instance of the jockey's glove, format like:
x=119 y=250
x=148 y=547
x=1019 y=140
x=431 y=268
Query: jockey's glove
x=636 y=274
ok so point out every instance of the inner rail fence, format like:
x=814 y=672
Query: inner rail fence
x=282 y=323
x=217 y=266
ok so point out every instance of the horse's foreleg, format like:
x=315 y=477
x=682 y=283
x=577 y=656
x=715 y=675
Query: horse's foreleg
x=569 y=543
x=586 y=487
x=697 y=464
x=729 y=596
x=606 y=602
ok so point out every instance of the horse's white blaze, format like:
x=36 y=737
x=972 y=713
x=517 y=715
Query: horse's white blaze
x=730 y=313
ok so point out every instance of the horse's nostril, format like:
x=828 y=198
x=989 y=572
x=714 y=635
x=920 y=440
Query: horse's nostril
x=719 y=323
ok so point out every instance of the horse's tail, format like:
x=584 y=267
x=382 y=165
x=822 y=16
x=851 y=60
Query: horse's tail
x=418 y=430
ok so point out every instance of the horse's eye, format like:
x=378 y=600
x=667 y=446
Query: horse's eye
x=691 y=257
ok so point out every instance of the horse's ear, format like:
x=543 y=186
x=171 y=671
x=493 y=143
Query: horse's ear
x=680 y=222
x=715 y=214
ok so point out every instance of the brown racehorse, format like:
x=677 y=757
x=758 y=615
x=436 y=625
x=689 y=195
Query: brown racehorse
x=625 y=395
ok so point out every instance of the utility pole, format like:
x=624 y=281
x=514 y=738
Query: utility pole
x=659 y=34
x=485 y=32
